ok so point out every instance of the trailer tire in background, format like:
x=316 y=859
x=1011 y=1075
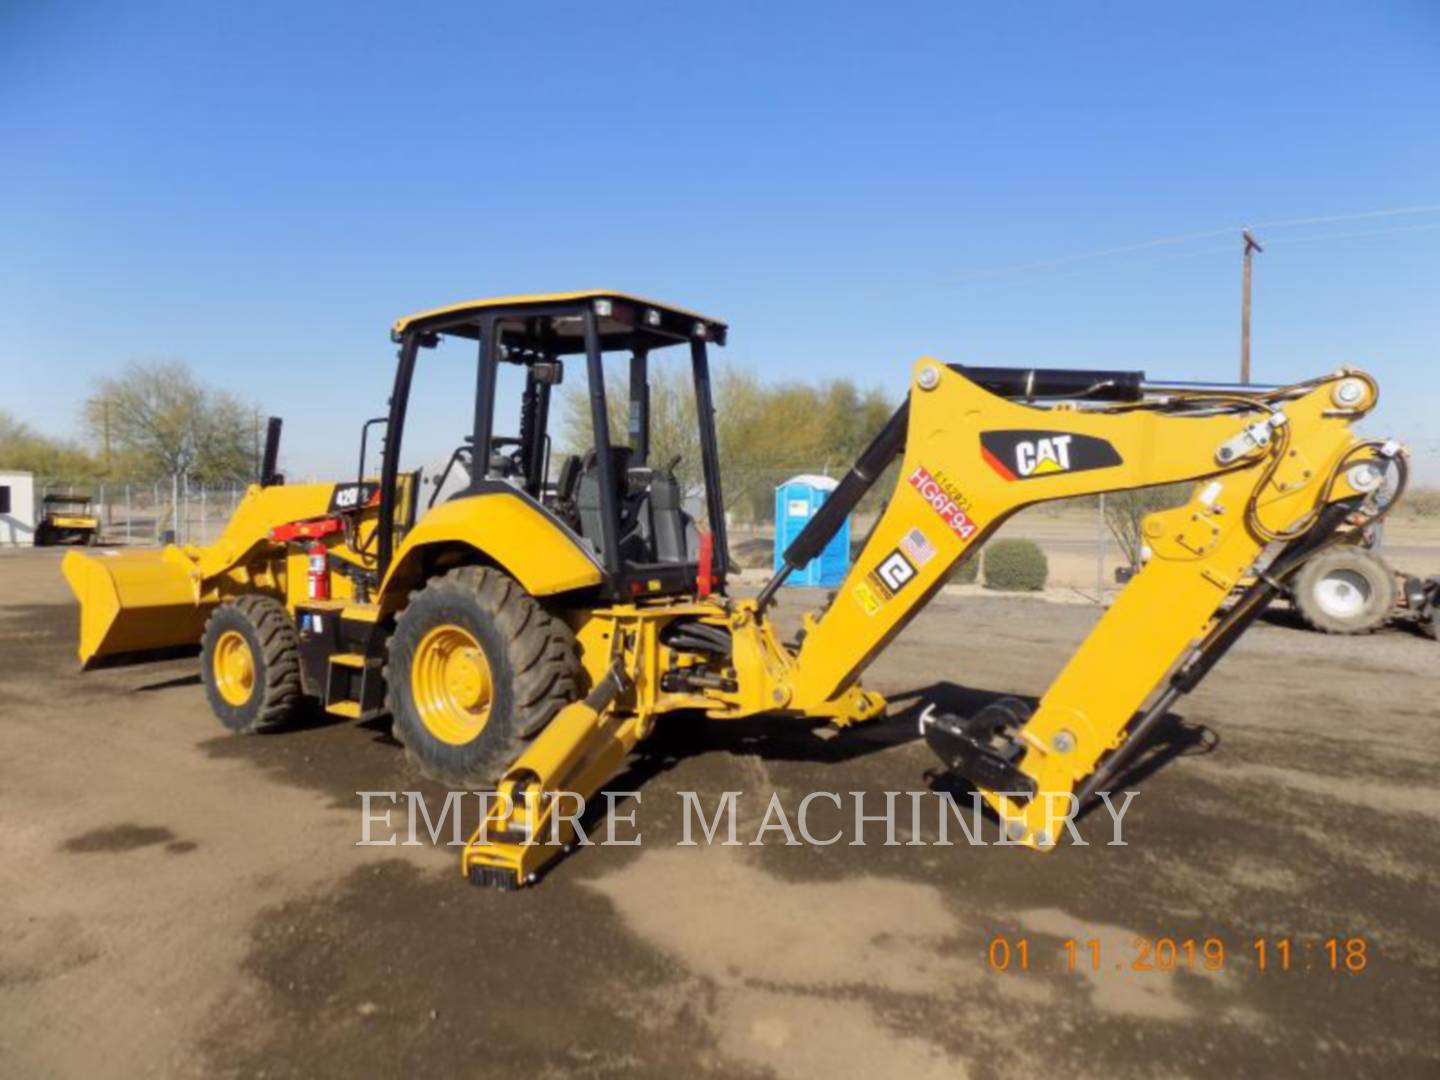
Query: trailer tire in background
x=1346 y=591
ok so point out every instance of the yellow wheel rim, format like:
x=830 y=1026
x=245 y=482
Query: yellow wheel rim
x=234 y=668
x=451 y=683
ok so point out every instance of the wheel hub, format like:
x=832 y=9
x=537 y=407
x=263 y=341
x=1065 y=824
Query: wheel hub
x=1342 y=594
x=467 y=677
x=452 y=684
x=234 y=668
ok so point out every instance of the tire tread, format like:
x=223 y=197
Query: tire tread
x=274 y=631
x=542 y=652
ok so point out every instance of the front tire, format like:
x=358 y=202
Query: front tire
x=1346 y=591
x=476 y=668
x=250 y=663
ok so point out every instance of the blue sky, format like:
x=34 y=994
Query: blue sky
x=261 y=188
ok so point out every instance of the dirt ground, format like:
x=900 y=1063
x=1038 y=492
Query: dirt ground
x=176 y=901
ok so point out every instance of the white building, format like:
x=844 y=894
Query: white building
x=17 y=509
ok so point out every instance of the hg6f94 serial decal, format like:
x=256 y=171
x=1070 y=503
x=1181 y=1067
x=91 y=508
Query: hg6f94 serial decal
x=943 y=499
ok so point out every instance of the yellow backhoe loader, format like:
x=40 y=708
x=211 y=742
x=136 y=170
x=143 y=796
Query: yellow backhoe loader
x=525 y=631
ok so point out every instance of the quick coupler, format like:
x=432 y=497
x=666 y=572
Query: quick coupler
x=982 y=748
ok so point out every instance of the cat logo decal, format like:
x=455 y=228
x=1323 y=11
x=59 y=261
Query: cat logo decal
x=1029 y=455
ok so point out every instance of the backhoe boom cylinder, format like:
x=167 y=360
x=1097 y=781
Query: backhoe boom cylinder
x=1024 y=384
x=883 y=449
x=1162 y=387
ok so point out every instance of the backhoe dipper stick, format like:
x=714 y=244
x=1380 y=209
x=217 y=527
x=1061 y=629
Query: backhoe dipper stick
x=1218 y=642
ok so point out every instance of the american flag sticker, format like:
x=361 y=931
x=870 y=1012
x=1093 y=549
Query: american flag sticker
x=915 y=544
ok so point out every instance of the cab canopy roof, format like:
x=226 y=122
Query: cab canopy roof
x=554 y=322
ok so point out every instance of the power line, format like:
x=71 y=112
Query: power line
x=1356 y=235
x=1228 y=250
x=1208 y=234
x=1396 y=212
x=1065 y=260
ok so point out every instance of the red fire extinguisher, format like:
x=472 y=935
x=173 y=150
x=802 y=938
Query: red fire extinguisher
x=318 y=575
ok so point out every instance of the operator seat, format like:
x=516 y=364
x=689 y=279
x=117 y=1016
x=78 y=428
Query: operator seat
x=561 y=500
x=587 y=494
x=667 y=518
x=653 y=527
x=569 y=479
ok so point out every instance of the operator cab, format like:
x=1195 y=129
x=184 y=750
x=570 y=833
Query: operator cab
x=635 y=516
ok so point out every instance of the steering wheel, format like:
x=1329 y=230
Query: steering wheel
x=504 y=448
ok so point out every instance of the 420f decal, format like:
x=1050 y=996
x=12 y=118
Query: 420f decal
x=1023 y=454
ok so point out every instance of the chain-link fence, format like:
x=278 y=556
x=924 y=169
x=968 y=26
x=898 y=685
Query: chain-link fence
x=1081 y=550
x=151 y=512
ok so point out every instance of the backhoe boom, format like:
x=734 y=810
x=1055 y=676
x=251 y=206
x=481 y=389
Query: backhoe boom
x=1268 y=464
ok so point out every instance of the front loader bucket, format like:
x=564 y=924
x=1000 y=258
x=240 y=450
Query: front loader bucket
x=134 y=601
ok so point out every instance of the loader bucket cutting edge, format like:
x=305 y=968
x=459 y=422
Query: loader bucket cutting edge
x=133 y=601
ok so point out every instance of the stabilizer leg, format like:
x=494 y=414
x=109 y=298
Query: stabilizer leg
x=531 y=821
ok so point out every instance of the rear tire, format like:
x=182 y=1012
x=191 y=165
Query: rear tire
x=250 y=663
x=1347 y=591
x=476 y=668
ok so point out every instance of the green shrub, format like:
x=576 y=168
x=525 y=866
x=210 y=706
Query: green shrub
x=966 y=570
x=1015 y=566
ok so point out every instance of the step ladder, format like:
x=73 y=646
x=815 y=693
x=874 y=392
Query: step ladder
x=354 y=686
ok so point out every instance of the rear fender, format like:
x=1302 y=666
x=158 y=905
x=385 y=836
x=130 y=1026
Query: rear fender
x=506 y=528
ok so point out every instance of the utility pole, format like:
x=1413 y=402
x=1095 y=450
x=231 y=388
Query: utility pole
x=1251 y=246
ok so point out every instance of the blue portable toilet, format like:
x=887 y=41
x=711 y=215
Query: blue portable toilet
x=796 y=501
